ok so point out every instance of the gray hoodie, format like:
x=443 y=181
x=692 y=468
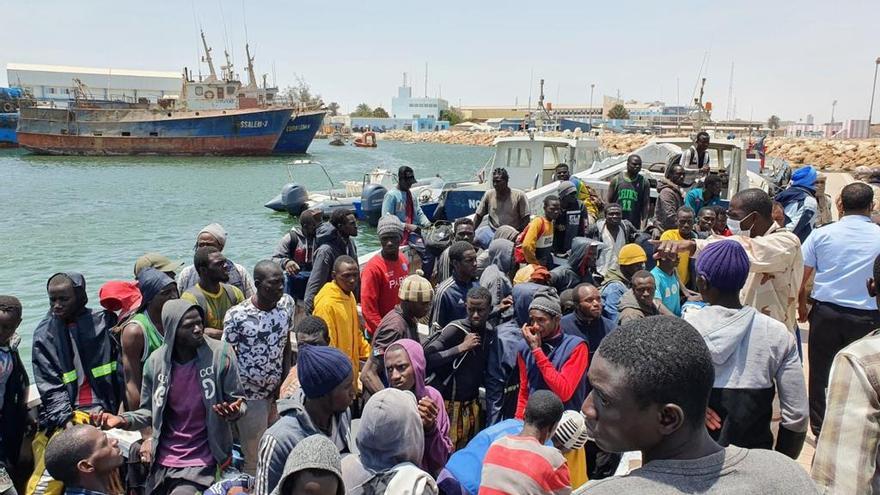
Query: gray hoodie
x=578 y=267
x=752 y=352
x=220 y=383
x=495 y=276
x=390 y=435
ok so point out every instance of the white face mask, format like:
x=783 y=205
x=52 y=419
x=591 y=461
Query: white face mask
x=735 y=226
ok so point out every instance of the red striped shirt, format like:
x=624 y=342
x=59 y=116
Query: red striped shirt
x=519 y=465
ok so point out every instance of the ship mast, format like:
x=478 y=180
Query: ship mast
x=227 y=69
x=207 y=58
x=252 y=78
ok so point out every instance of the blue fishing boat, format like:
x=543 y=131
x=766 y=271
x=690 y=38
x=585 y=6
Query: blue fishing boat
x=299 y=132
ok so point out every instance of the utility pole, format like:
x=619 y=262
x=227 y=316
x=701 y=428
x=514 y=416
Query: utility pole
x=873 y=87
x=426 y=79
x=590 y=110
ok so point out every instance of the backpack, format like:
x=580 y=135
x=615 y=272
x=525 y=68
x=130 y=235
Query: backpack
x=403 y=479
x=439 y=237
x=202 y=301
x=518 y=255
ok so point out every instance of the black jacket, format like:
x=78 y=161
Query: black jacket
x=14 y=413
x=467 y=373
x=54 y=369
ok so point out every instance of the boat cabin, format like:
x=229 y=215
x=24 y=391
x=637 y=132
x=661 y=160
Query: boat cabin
x=531 y=160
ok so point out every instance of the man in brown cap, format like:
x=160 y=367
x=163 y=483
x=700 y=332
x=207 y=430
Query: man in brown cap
x=415 y=295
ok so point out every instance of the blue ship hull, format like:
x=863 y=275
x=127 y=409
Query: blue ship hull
x=299 y=133
x=104 y=131
x=8 y=123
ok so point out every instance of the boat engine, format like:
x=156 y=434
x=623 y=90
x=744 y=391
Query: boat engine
x=371 y=203
x=292 y=199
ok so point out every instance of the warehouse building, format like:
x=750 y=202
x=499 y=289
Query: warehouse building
x=55 y=83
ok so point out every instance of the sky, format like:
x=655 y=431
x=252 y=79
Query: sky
x=790 y=58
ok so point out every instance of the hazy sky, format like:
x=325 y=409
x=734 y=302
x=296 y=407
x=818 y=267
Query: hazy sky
x=791 y=58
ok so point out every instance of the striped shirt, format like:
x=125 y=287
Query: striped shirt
x=519 y=465
x=847 y=452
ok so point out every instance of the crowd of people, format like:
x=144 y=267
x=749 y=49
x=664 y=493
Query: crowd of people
x=550 y=345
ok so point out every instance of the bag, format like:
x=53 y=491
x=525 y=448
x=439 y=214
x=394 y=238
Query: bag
x=402 y=479
x=439 y=237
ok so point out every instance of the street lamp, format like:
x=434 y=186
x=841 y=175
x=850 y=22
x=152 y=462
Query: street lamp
x=590 y=110
x=873 y=87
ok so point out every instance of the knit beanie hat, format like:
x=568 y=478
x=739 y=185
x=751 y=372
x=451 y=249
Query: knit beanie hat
x=724 y=264
x=565 y=188
x=389 y=224
x=631 y=254
x=547 y=301
x=321 y=369
x=217 y=232
x=313 y=452
x=571 y=433
x=415 y=288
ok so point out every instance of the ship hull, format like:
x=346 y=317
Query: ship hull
x=8 y=123
x=102 y=132
x=48 y=144
x=299 y=133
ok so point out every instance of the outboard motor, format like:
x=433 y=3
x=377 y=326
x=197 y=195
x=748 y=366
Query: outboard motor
x=371 y=203
x=292 y=199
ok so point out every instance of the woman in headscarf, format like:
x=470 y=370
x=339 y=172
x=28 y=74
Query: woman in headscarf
x=405 y=370
x=390 y=444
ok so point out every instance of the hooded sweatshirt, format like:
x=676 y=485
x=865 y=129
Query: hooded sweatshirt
x=280 y=439
x=801 y=209
x=753 y=355
x=438 y=446
x=577 y=268
x=217 y=367
x=330 y=246
x=339 y=312
x=390 y=438
x=631 y=309
x=55 y=371
x=669 y=200
x=495 y=277
x=612 y=289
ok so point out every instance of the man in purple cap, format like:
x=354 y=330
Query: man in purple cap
x=755 y=357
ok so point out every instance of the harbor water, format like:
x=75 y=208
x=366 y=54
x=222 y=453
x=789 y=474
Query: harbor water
x=96 y=215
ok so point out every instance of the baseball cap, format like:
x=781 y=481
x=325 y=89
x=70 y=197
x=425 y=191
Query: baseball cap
x=157 y=261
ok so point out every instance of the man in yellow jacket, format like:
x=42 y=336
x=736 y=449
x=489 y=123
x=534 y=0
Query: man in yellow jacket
x=537 y=238
x=336 y=305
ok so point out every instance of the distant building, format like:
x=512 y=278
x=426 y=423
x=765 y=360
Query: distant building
x=518 y=112
x=848 y=129
x=404 y=106
x=390 y=124
x=56 y=82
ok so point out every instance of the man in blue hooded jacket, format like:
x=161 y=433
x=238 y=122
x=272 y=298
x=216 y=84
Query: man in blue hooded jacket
x=799 y=202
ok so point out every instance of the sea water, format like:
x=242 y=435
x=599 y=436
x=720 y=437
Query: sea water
x=96 y=215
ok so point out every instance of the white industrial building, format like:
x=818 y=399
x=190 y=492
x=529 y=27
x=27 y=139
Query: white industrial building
x=56 y=82
x=404 y=106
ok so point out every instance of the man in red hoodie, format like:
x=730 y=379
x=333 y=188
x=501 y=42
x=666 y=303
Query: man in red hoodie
x=383 y=274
